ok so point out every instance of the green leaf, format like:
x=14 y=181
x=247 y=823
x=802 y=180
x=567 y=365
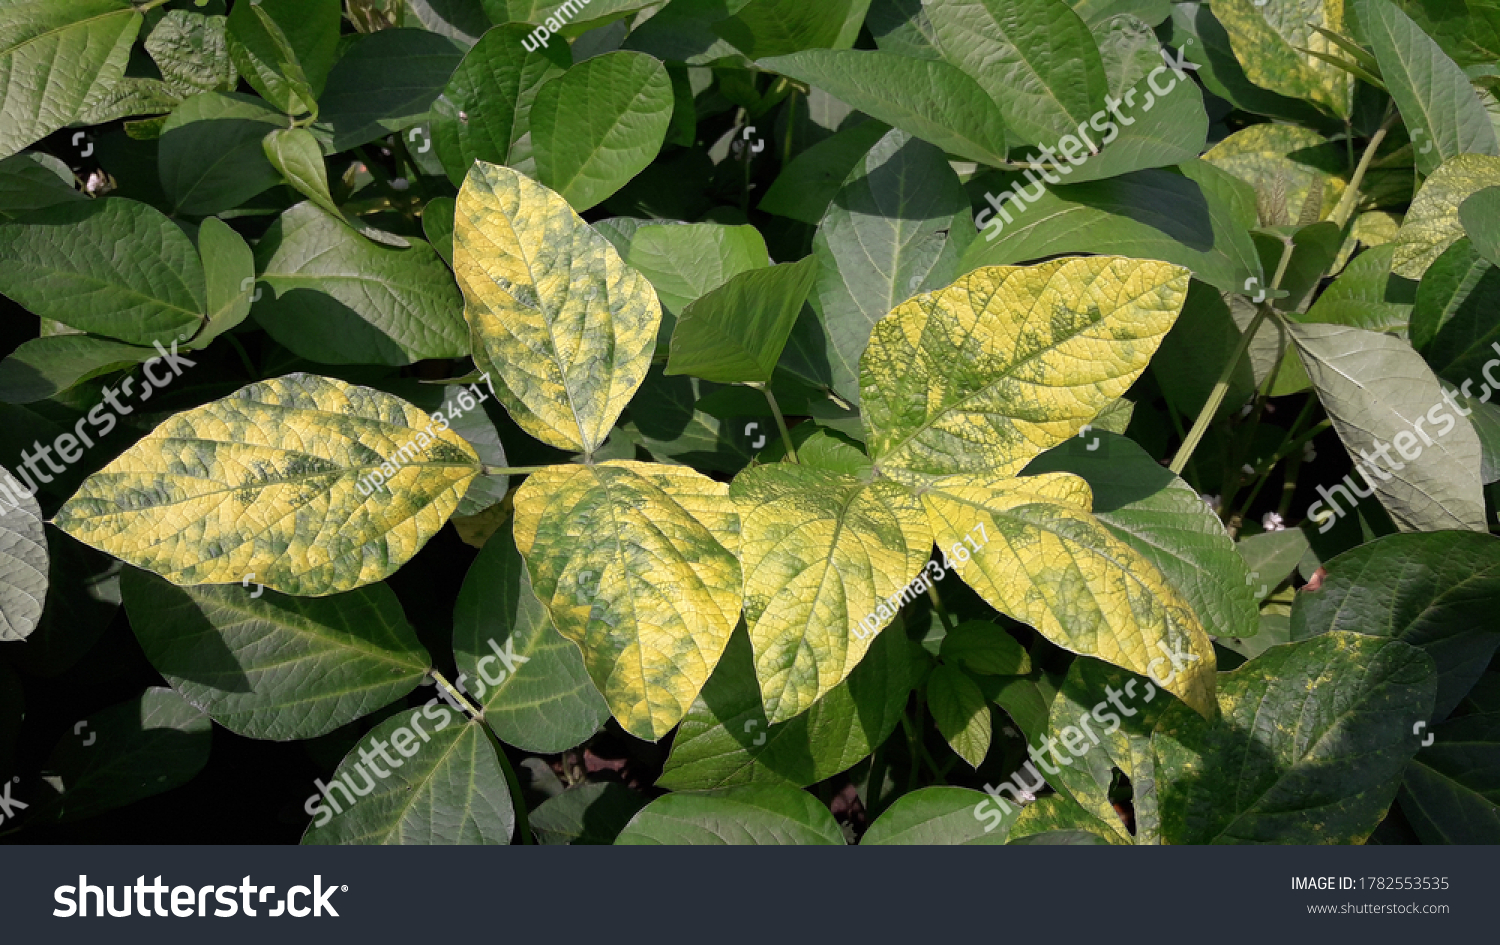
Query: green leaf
x=1164 y=519
x=686 y=261
x=459 y=20
x=564 y=325
x=295 y=154
x=1090 y=696
x=1036 y=58
x=43 y=367
x=828 y=561
x=1310 y=746
x=1442 y=113
x=1005 y=363
x=1432 y=224
x=600 y=124
x=751 y=814
x=137 y=749
x=636 y=564
x=1437 y=591
x=530 y=681
x=1377 y=391
x=339 y=298
x=934 y=816
x=271 y=480
x=1150 y=214
x=1168 y=129
x=985 y=648
x=735 y=332
x=192 y=52
x=83 y=597
x=212 y=158
x=726 y=740
x=229 y=275
x=437 y=226
x=1044 y=560
x=486 y=107
x=386 y=82
x=1452 y=789
x=310 y=31
x=32 y=181
x=23 y=560
x=961 y=713
x=806 y=187
x=1453 y=322
x=423 y=781
x=590 y=814
x=1479 y=215
x=764 y=28
x=1266 y=40
x=77 y=48
x=112 y=267
x=1366 y=295
x=932 y=100
x=271 y=666
x=665 y=418
x=1271 y=557
x=896 y=228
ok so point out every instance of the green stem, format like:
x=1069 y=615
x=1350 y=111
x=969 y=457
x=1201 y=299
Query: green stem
x=937 y=604
x=1291 y=447
x=1345 y=208
x=409 y=163
x=1216 y=396
x=1221 y=387
x=146 y=7
x=510 y=470
x=876 y=782
x=1247 y=441
x=786 y=434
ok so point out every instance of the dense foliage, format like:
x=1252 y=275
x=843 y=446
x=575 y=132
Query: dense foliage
x=764 y=421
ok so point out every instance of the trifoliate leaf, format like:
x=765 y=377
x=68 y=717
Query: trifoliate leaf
x=309 y=485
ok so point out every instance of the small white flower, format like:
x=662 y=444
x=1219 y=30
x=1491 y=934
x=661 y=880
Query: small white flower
x=1272 y=522
x=1212 y=500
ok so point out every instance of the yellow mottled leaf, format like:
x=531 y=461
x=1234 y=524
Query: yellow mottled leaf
x=828 y=561
x=1432 y=223
x=1045 y=560
x=1287 y=165
x=563 y=325
x=636 y=564
x=278 y=480
x=1010 y=361
x=1267 y=39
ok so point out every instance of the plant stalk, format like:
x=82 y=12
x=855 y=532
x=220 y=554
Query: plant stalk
x=1221 y=387
x=786 y=434
x=1345 y=208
